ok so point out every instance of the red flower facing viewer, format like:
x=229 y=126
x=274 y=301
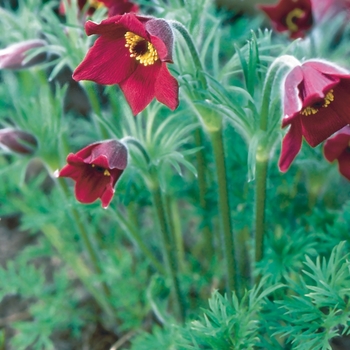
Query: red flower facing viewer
x=294 y=16
x=132 y=51
x=337 y=148
x=115 y=7
x=96 y=169
x=315 y=106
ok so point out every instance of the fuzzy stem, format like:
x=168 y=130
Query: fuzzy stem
x=203 y=189
x=227 y=235
x=168 y=252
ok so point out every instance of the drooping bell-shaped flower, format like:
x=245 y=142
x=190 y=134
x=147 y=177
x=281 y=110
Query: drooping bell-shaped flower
x=96 y=169
x=337 y=148
x=292 y=16
x=316 y=96
x=132 y=51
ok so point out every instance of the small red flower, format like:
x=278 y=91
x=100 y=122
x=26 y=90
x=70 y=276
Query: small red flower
x=337 y=148
x=13 y=56
x=132 y=51
x=294 y=16
x=18 y=141
x=96 y=169
x=115 y=7
x=315 y=106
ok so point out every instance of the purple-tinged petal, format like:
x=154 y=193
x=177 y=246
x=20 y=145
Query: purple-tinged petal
x=162 y=38
x=291 y=145
x=139 y=88
x=167 y=88
x=325 y=68
x=108 y=62
x=114 y=151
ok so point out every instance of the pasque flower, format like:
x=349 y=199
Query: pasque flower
x=96 y=169
x=13 y=56
x=316 y=96
x=17 y=141
x=132 y=51
x=115 y=7
x=294 y=16
x=337 y=148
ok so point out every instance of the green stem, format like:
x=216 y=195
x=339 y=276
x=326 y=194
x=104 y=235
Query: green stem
x=134 y=233
x=260 y=203
x=93 y=256
x=227 y=234
x=172 y=212
x=203 y=190
x=168 y=252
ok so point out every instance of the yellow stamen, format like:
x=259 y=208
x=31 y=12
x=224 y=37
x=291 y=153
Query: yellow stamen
x=141 y=49
x=292 y=15
x=316 y=106
x=95 y=4
x=101 y=169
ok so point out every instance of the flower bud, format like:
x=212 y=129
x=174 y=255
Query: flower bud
x=17 y=141
x=13 y=56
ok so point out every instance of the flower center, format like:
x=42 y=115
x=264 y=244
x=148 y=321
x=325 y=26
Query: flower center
x=291 y=17
x=101 y=170
x=317 y=105
x=95 y=4
x=141 y=49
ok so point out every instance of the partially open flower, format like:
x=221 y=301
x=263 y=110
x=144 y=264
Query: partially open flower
x=17 y=141
x=316 y=99
x=337 y=148
x=115 y=7
x=13 y=56
x=294 y=16
x=96 y=169
x=132 y=51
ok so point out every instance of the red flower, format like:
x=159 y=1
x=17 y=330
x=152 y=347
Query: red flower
x=115 y=7
x=315 y=106
x=338 y=148
x=96 y=169
x=132 y=51
x=17 y=141
x=294 y=16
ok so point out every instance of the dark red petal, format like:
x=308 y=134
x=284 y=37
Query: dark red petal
x=132 y=23
x=337 y=144
x=91 y=185
x=107 y=62
x=106 y=27
x=291 y=145
x=318 y=127
x=167 y=88
x=344 y=165
x=107 y=195
x=292 y=101
x=72 y=171
x=139 y=87
x=101 y=161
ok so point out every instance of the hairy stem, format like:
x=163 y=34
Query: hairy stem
x=224 y=209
